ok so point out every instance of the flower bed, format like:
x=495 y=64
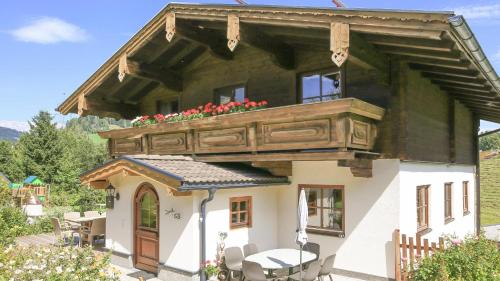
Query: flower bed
x=201 y=111
x=55 y=263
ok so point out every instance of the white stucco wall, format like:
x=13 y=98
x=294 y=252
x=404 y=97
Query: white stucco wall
x=264 y=230
x=178 y=238
x=371 y=210
x=436 y=175
x=374 y=207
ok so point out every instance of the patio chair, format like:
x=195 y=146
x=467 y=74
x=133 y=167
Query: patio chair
x=250 y=249
x=310 y=274
x=313 y=248
x=89 y=214
x=71 y=215
x=254 y=272
x=234 y=258
x=327 y=268
x=61 y=233
x=97 y=229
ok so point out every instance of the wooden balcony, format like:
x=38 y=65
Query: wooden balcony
x=341 y=125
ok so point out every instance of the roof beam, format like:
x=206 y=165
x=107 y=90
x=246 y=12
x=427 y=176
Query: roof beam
x=209 y=38
x=454 y=79
x=282 y=54
x=413 y=52
x=481 y=89
x=462 y=65
x=166 y=77
x=443 y=70
x=106 y=108
x=365 y=54
x=417 y=43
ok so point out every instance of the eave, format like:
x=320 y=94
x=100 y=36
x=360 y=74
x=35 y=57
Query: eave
x=434 y=26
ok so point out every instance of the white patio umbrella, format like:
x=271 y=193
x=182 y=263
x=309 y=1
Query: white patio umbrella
x=302 y=216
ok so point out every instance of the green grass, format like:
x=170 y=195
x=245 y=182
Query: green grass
x=490 y=191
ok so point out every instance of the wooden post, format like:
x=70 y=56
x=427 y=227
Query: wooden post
x=397 y=254
x=441 y=244
x=426 y=247
x=405 y=256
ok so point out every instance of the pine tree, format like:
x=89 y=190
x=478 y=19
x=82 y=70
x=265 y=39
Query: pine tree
x=40 y=148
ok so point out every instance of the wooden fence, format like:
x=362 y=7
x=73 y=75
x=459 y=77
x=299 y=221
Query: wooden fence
x=409 y=251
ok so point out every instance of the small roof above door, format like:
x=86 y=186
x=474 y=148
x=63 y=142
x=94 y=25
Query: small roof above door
x=182 y=173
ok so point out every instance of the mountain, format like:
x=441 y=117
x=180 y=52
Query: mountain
x=15 y=125
x=9 y=134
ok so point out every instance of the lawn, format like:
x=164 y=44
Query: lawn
x=490 y=191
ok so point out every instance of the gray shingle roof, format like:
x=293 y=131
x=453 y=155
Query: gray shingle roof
x=199 y=175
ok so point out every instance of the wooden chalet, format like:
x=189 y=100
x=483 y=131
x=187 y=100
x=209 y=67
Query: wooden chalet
x=348 y=90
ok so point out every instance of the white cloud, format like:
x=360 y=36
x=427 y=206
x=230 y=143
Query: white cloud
x=20 y=126
x=49 y=30
x=479 y=12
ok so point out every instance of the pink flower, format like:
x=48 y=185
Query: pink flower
x=456 y=242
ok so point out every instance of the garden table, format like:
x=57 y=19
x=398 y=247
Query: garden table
x=84 y=221
x=281 y=259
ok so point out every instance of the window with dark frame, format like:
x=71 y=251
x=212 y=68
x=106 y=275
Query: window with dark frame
x=448 y=214
x=321 y=86
x=229 y=94
x=240 y=212
x=422 y=207
x=326 y=208
x=465 y=188
x=164 y=107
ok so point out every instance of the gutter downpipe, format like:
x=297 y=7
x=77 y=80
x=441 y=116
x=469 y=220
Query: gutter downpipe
x=203 y=254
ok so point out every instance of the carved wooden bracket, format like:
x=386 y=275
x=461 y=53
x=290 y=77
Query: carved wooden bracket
x=233 y=31
x=359 y=167
x=82 y=104
x=339 y=42
x=166 y=77
x=170 y=26
x=123 y=68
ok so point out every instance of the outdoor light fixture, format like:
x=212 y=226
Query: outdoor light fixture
x=110 y=197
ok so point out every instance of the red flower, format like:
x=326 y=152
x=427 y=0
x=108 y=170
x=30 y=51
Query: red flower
x=264 y=102
x=246 y=100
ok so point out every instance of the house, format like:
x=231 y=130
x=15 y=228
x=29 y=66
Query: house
x=375 y=113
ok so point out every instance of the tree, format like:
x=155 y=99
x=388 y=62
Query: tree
x=78 y=154
x=40 y=148
x=9 y=161
x=490 y=142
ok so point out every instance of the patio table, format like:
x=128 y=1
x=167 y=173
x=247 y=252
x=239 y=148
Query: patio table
x=281 y=259
x=84 y=221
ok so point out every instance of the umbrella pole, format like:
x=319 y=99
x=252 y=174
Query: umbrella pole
x=301 y=262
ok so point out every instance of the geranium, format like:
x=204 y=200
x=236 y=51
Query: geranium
x=199 y=112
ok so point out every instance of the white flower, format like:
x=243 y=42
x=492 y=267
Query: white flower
x=1 y=265
x=59 y=269
x=17 y=271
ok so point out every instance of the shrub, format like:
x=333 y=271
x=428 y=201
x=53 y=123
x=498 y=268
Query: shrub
x=54 y=263
x=474 y=258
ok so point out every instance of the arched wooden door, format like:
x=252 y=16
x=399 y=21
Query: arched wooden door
x=146 y=229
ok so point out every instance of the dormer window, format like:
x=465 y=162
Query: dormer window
x=320 y=86
x=229 y=94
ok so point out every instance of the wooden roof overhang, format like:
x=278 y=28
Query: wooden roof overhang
x=438 y=44
x=99 y=177
x=181 y=174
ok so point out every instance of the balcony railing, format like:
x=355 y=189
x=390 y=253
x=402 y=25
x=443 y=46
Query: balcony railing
x=344 y=124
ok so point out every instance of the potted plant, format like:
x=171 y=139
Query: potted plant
x=211 y=269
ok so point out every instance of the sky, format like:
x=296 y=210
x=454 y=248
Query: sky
x=49 y=48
